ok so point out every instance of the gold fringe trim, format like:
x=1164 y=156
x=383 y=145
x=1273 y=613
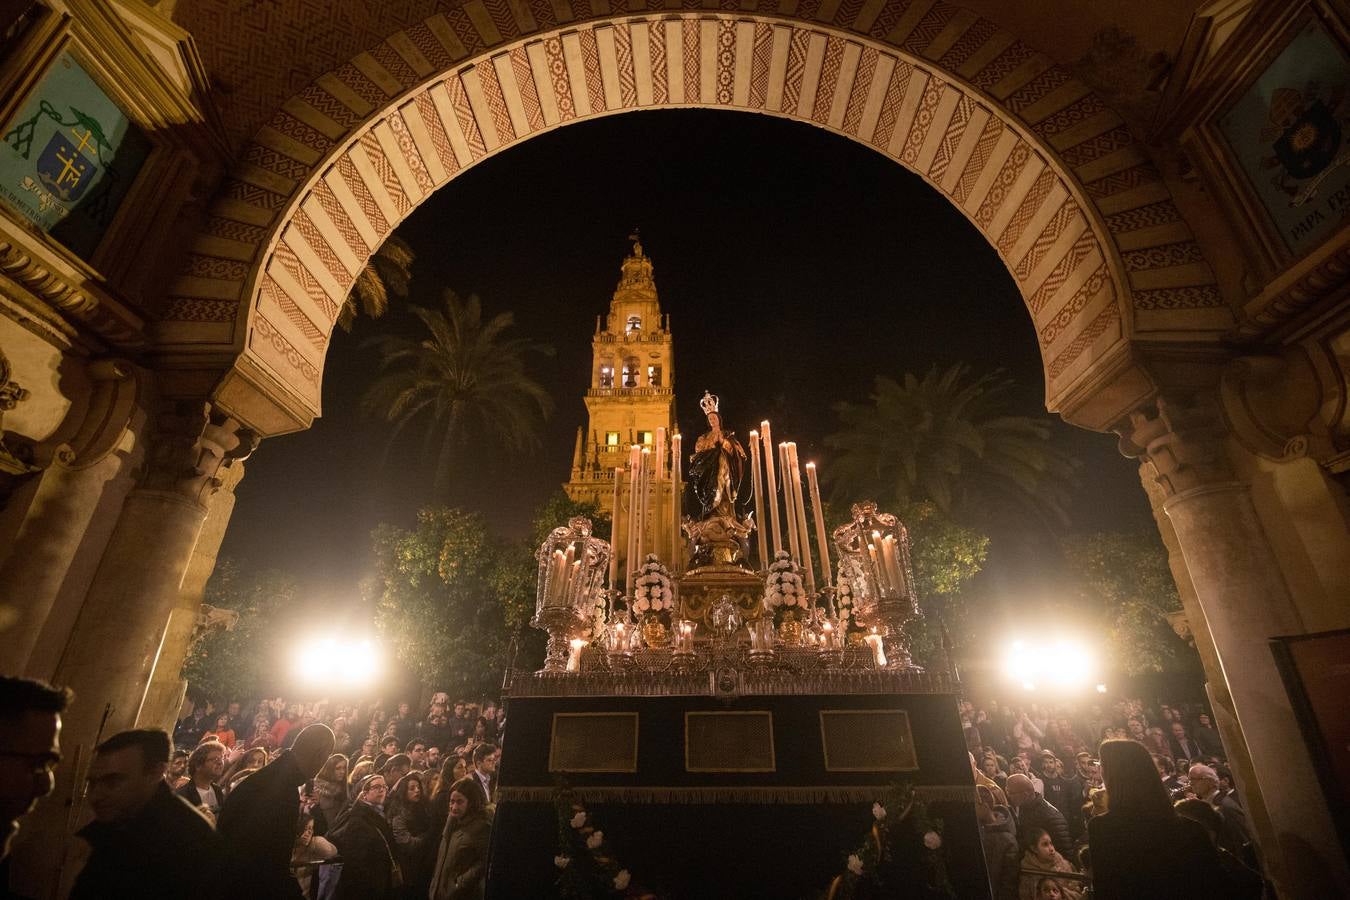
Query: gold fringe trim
x=953 y=793
x=749 y=683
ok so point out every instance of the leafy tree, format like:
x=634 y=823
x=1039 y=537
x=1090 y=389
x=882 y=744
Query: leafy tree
x=389 y=271
x=946 y=556
x=1125 y=580
x=947 y=438
x=243 y=661
x=465 y=382
x=436 y=607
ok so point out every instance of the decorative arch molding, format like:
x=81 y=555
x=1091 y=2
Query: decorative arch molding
x=1048 y=173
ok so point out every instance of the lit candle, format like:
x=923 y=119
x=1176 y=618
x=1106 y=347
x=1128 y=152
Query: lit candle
x=618 y=638
x=878 y=650
x=819 y=511
x=660 y=452
x=799 y=508
x=614 y=530
x=760 y=525
x=677 y=497
x=634 y=463
x=574 y=583
x=574 y=657
x=684 y=636
x=888 y=556
x=878 y=574
x=827 y=636
x=644 y=505
x=659 y=458
x=771 y=485
x=787 y=503
x=555 y=578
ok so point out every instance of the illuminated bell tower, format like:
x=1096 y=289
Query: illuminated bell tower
x=631 y=399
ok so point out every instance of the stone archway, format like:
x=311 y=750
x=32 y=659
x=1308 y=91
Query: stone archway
x=1037 y=162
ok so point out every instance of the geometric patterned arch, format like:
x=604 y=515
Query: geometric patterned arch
x=1037 y=162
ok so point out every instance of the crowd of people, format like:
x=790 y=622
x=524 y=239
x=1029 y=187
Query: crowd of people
x=289 y=800
x=335 y=802
x=1100 y=801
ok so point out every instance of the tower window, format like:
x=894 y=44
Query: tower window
x=607 y=376
x=654 y=375
x=644 y=437
x=611 y=439
x=634 y=324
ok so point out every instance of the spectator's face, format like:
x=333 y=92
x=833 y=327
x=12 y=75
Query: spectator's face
x=368 y=747
x=1136 y=728
x=418 y=754
x=213 y=765
x=461 y=768
x=990 y=766
x=376 y=790
x=459 y=709
x=488 y=765
x=390 y=747
x=340 y=769
x=232 y=709
x=413 y=791
x=1204 y=720
x=307 y=835
x=1050 y=766
x=1045 y=849
x=1019 y=794
x=120 y=784
x=30 y=748
x=177 y=765
x=1202 y=786
x=398 y=771
x=433 y=757
x=403 y=709
x=222 y=723
x=1049 y=890
x=459 y=805
x=1178 y=730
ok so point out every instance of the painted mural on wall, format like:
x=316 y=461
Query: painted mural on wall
x=69 y=157
x=1290 y=133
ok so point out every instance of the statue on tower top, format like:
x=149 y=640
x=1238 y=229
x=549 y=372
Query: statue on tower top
x=637 y=268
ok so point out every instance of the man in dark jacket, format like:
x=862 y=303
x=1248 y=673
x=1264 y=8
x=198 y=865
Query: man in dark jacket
x=258 y=821
x=1031 y=811
x=998 y=837
x=1063 y=793
x=144 y=841
x=366 y=842
x=204 y=768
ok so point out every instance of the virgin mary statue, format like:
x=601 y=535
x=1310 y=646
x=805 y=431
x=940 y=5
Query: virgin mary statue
x=718 y=465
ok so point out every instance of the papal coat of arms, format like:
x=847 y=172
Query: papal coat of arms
x=1306 y=134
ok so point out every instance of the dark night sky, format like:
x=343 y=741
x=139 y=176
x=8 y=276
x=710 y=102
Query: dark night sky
x=795 y=265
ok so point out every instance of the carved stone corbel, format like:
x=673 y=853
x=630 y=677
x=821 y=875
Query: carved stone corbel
x=1181 y=438
x=1287 y=404
x=189 y=445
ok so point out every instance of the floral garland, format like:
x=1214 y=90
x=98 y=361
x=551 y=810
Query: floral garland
x=586 y=867
x=651 y=589
x=783 y=590
x=910 y=840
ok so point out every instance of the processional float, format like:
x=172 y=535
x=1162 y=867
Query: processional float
x=745 y=694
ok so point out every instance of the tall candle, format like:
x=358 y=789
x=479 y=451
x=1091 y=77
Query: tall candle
x=878 y=572
x=799 y=508
x=614 y=530
x=634 y=463
x=658 y=501
x=819 y=511
x=660 y=452
x=771 y=484
x=788 y=514
x=761 y=540
x=677 y=499
x=644 y=537
x=892 y=564
x=555 y=578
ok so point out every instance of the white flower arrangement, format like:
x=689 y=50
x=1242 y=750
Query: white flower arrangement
x=621 y=880
x=878 y=812
x=844 y=602
x=651 y=588
x=932 y=840
x=594 y=840
x=783 y=586
x=855 y=864
x=579 y=819
x=561 y=861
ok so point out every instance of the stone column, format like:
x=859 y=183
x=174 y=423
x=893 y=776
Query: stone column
x=121 y=626
x=167 y=687
x=1245 y=602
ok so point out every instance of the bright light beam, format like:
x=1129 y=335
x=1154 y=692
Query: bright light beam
x=330 y=660
x=1062 y=664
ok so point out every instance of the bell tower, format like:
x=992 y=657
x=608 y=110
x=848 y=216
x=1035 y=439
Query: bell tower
x=632 y=389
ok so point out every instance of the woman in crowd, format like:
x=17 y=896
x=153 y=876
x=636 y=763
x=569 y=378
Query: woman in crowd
x=461 y=865
x=222 y=733
x=1140 y=846
x=250 y=759
x=410 y=820
x=363 y=769
x=262 y=733
x=366 y=842
x=310 y=850
x=1041 y=857
x=330 y=791
x=342 y=739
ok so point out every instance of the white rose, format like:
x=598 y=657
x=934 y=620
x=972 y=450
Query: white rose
x=878 y=811
x=791 y=601
x=561 y=861
x=641 y=605
x=579 y=819
x=621 y=880
x=854 y=864
x=932 y=840
x=596 y=839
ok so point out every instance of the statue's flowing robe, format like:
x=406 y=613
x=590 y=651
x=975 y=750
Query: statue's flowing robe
x=716 y=476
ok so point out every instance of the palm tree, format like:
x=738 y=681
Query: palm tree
x=389 y=271
x=464 y=381
x=947 y=438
